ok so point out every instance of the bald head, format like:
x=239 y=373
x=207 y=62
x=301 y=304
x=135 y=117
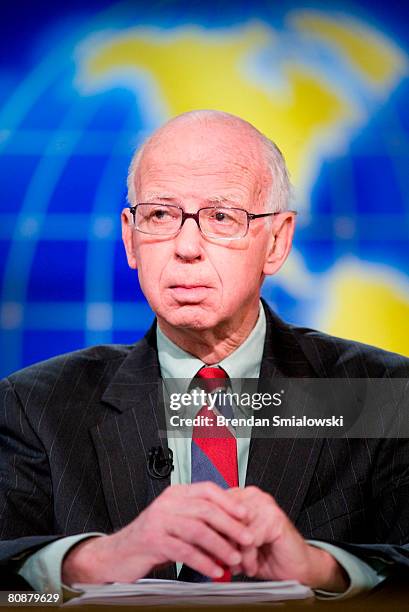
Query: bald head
x=205 y=130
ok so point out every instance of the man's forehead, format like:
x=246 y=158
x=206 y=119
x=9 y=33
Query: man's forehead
x=214 y=180
x=189 y=142
x=219 y=165
x=211 y=163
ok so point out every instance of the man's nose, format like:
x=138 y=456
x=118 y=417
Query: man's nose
x=188 y=242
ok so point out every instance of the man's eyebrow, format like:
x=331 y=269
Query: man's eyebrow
x=152 y=196
x=222 y=199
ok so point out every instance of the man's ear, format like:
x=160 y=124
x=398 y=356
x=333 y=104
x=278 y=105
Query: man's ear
x=280 y=243
x=128 y=236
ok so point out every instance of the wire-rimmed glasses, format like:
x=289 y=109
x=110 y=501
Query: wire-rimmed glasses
x=219 y=222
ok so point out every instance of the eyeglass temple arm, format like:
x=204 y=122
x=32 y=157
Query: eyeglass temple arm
x=254 y=216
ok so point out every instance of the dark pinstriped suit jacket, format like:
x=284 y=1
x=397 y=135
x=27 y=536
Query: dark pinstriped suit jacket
x=75 y=432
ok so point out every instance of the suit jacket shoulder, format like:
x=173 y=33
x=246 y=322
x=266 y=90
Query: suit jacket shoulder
x=80 y=377
x=301 y=351
x=82 y=374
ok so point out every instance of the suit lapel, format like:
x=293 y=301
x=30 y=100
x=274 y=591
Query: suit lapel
x=283 y=466
x=123 y=439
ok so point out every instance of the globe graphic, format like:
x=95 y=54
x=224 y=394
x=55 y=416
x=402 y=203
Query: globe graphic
x=331 y=89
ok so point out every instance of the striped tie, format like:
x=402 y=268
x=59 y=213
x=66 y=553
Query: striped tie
x=214 y=448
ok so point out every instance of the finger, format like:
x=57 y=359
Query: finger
x=265 y=517
x=197 y=533
x=222 y=522
x=179 y=551
x=251 y=498
x=249 y=561
x=241 y=497
x=234 y=491
x=268 y=527
x=245 y=492
x=216 y=494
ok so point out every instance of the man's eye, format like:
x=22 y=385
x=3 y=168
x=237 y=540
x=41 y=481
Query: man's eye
x=222 y=217
x=160 y=214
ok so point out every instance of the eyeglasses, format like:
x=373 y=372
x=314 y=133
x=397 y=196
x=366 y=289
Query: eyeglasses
x=220 y=222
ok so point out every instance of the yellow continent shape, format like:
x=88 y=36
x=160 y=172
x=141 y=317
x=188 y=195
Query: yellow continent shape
x=197 y=69
x=369 y=308
x=376 y=58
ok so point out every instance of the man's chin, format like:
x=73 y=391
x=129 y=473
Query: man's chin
x=189 y=316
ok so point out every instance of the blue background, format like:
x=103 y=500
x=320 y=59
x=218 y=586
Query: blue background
x=63 y=162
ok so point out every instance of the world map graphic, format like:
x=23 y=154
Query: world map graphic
x=328 y=87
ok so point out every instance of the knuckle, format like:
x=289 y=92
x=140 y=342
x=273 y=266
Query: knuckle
x=210 y=487
x=196 y=531
x=209 y=511
x=193 y=489
x=237 y=494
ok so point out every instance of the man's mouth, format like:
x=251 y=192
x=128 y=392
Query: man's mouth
x=189 y=293
x=187 y=286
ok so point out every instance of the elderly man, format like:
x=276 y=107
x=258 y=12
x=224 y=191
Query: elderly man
x=208 y=220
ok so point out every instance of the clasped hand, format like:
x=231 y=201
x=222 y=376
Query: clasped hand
x=206 y=527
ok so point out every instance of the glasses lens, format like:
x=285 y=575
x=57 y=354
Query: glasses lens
x=159 y=219
x=222 y=222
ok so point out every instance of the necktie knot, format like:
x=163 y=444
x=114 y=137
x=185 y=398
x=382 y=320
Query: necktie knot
x=211 y=378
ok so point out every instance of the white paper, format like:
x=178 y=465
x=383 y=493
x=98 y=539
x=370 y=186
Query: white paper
x=162 y=592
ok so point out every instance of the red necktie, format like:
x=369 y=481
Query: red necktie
x=214 y=447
